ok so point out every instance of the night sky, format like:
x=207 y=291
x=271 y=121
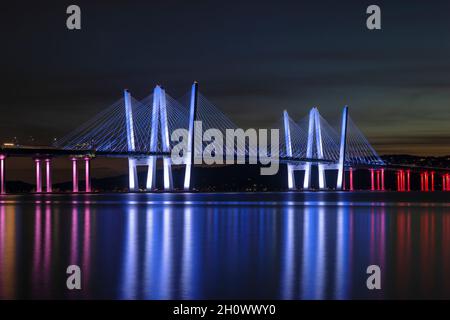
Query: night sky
x=252 y=59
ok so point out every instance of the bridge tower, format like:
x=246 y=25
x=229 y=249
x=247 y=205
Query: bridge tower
x=309 y=149
x=132 y=168
x=287 y=135
x=340 y=177
x=314 y=141
x=190 y=143
x=314 y=129
x=159 y=125
x=319 y=146
x=159 y=122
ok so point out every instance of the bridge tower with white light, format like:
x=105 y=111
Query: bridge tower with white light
x=189 y=158
x=315 y=152
x=159 y=126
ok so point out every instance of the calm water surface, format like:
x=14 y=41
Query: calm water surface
x=219 y=246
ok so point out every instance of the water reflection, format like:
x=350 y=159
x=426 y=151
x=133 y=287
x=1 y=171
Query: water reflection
x=188 y=262
x=87 y=245
x=445 y=252
x=288 y=259
x=74 y=237
x=313 y=259
x=344 y=241
x=7 y=253
x=47 y=249
x=403 y=251
x=129 y=279
x=377 y=244
x=427 y=251
x=143 y=250
x=36 y=271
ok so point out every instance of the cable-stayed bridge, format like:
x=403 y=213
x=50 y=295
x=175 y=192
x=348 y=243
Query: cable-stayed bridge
x=141 y=131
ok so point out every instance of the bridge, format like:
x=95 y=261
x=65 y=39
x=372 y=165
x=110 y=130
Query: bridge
x=140 y=131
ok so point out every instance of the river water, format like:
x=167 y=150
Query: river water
x=310 y=245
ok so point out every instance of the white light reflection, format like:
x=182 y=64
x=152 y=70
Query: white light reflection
x=130 y=274
x=288 y=263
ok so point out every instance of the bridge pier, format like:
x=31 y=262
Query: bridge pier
x=408 y=180
x=38 y=170
x=87 y=173
x=350 y=173
x=2 y=173
x=151 y=173
x=445 y=182
x=48 y=176
x=378 y=180
x=432 y=180
x=422 y=184
x=132 y=175
x=402 y=182
x=372 y=180
x=427 y=181
x=74 y=174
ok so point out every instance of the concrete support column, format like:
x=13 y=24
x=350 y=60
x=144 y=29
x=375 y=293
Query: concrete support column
x=74 y=174
x=87 y=173
x=401 y=181
x=132 y=175
x=2 y=173
x=48 y=175
x=38 y=175
x=422 y=182
x=372 y=180
x=351 y=179
x=432 y=180
x=408 y=180
x=378 y=180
